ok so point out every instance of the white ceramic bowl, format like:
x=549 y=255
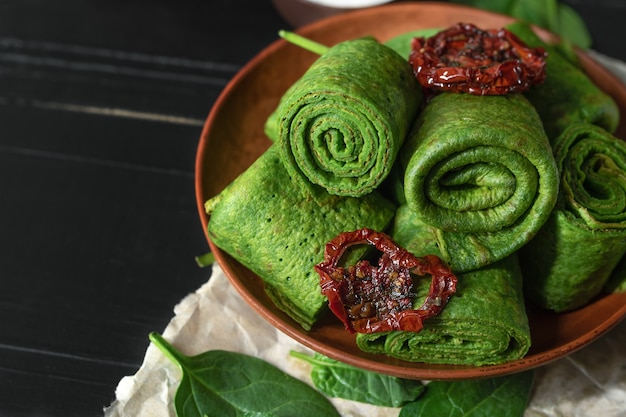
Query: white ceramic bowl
x=302 y=12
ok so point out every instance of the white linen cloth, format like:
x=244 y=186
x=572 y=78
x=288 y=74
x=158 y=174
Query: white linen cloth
x=589 y=382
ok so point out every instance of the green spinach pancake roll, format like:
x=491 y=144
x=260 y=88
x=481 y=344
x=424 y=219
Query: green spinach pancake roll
x=340 y=126
x=262 y=220
x=617 y=280
x=567 y=95
x=485 y=323
x=574 y=254
x=479 y=178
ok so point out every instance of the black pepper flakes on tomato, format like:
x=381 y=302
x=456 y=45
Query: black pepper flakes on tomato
x=466 y=59
x=375 y=298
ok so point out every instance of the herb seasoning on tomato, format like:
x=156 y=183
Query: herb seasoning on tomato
x=464 y=58
x=375 y=298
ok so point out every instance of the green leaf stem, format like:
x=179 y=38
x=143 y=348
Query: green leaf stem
x=302 y=42
x=206 y=259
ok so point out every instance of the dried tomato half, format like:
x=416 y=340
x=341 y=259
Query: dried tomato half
x=464 y=58
x=369 y=298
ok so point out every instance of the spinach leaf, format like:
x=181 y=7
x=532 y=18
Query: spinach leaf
x=505 y=396
x=552 y=15
x=540 y=12
x=339 y=380
x=572 y=27
x=498 y=6
x=218 y=383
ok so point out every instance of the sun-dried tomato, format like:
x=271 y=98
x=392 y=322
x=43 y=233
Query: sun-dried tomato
x=375 y=298
x=464 y=58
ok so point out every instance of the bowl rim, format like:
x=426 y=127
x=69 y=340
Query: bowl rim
x=609 y=83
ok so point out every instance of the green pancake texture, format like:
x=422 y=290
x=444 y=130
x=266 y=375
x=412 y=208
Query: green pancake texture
x=485 y=323
x=567 y=95
x=574 y=254
x=341 y=125
x=263 y=221
x=479 y=179
x=617 y=281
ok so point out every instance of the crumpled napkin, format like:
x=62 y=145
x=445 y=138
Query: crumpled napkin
x=589 y=382
x=215 y=317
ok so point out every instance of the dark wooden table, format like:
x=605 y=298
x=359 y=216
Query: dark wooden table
x=101 y=108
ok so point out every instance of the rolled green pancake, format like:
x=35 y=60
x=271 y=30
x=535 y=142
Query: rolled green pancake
x=567 y=95
x=479 y=178
x=572 y=257
x=617 y=280
x=485 y=323
x=340 y=126
x=262 y=220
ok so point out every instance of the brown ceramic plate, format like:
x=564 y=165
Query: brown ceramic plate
x=233 y=138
